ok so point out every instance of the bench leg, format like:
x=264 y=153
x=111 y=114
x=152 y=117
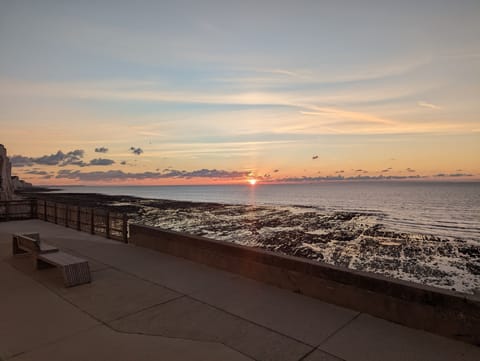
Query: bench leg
x=76 y=274
x=15 y=249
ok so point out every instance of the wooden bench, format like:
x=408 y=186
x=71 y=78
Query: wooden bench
x=75 y=270
x=30 y=243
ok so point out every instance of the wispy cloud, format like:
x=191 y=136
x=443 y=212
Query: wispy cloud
x=428 y=105
x=345 y=114
x=148 y=92
x=329 y=114
x=284 y=72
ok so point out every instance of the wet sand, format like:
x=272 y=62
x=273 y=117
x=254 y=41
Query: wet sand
x=348 y=239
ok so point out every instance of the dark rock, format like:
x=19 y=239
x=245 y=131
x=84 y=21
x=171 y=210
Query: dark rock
x=474 y=268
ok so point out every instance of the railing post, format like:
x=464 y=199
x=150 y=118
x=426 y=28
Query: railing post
x=78 y=219
x=107 y=224
x=33 y=212
x=7 y=211
x=125 y=228
x=55 y=212
x=45 y=210
x=92 y=221
x=66 y=215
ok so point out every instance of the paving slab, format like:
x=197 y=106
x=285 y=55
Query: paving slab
x=31 y=315
x=11 y=280
x=187 y=318
x=303 y=318
x=111 y=294
x=5 y=249
x=28 y=226
x=102 y=343
x=368 y=338
x=176 y=273
x=111 y=252
x=114 y=294
x=179 y=274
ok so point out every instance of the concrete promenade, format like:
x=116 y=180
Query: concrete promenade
x=145 y=305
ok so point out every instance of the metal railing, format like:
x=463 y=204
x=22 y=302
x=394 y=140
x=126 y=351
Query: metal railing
x=18 y=209
x=92 y=220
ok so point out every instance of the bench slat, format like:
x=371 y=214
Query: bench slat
x=60 y=258
x=47 y=248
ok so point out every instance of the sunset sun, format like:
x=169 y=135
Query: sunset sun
x=252 y=181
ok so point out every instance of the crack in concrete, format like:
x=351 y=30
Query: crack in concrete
x=147 y=308
x=250 y=321
x=338 y=330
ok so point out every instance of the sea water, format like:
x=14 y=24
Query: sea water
x=444 y=209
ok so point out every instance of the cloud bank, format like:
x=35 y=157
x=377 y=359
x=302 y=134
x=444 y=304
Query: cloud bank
x=171 y=173
x=342 y=178
x=101 y=161
x=61 y=159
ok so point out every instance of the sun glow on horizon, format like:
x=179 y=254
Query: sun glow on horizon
x=252 y=182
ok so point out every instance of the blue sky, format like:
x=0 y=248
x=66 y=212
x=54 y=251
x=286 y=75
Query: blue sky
x=243 y=87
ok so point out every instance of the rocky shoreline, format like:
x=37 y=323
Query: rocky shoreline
x=349 y=239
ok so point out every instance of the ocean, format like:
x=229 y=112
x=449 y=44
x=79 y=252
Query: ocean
x=443 y=209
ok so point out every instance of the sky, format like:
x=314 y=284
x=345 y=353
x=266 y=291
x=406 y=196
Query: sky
x=206 y=92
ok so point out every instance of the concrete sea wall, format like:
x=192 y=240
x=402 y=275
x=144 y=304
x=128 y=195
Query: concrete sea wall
x=438 y=311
